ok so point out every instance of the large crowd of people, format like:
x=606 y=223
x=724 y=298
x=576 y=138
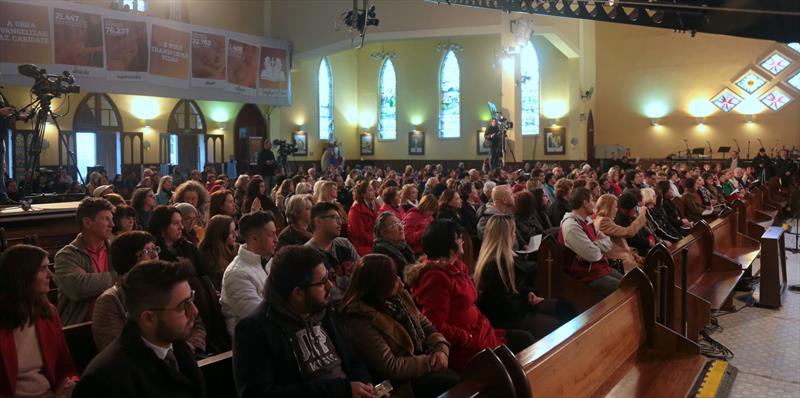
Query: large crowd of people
x=326 y=285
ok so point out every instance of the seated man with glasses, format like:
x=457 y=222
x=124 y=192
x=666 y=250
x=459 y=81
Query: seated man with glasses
x=150 y=358
x=292 y=344
x=339 y=255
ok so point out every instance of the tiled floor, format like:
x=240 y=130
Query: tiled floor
x=766 y=342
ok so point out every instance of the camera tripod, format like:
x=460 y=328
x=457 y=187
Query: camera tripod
x=41 y=110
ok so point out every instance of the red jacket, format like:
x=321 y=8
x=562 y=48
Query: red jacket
x=57 y=361
x=414 y=225
x=398 y=212
x=446 y=295
x=361 y=227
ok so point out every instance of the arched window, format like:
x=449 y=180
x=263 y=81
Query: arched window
x=325 y=95
x=387 y=121
x=529 y=89
x=450 y=97
x=185 y=142
x=97 y=127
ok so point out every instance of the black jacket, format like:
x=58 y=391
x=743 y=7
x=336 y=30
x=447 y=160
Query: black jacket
x=128 y=368
x=557 y=210
x=266 y=362
x=638 y=241
x=402 y=255
x=266 y=169
x=469 y=218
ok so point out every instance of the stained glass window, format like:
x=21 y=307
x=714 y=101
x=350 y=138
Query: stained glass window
x=529 y=88
x=794 y=81
x=325 y=95
x=775 y=63
x=750 y=82
x=795 y=46
x=387 y=121
x=726 y=100
x=450 y=88
x=776 y=99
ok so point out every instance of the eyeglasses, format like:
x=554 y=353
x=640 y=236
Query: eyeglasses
x=333 y=216
x=149 y=252
x=184 y=306
x=323 y=282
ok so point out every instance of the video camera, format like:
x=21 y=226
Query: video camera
x=502 y=122
x=49 y=85
x=284 y=148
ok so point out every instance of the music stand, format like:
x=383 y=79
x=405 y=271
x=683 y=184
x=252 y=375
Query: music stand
x=723 y=150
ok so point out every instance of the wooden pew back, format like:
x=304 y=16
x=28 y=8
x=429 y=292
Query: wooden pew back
x=81 y=344
x=576 y=359
x=218 y=373
x=607 y=347
x=553 y=281
x=485 y=376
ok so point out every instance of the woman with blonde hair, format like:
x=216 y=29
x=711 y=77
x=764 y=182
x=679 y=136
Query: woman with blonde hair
x=240 y=190
x=298 y=215
x=408 y=197
x=605 y=212
x=505 y=294
x=164 y=192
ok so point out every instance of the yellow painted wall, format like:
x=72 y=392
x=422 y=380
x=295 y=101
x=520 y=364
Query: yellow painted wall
x=639 y=66
x=417 y=64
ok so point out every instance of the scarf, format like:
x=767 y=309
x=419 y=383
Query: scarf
x=397 y=310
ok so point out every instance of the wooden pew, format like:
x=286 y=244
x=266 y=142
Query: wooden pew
x=54 y=223
x=553 y=281
x=486 y=376
x=614 y=349
x=730 y=245
x=710 y=276
x=218 y=373
x=752 y=221
x=81 y=344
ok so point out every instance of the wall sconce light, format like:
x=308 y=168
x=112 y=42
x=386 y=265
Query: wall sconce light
x=221 y=125
x=654 y=121
x=749 y=118
x=146 y=122
x=701 y=121
x=554 y=122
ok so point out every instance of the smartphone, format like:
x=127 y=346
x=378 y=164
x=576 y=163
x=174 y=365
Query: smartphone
x=383 y=389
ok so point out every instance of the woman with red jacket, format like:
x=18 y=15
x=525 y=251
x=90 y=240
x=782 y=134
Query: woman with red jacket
x=443 y=288
x=35 y=357
x=417 y=219
x=391 y=202
x=361 y=218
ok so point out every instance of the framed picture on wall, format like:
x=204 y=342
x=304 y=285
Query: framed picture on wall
x=483 y=146
x=367 y=143
x=416 y=142
x=555 y=140
x=300 y=140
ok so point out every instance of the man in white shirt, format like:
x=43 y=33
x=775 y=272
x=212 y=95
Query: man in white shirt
x=244 y=279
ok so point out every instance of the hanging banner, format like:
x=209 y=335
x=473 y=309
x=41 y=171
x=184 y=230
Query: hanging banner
x=242 y=67
x=78 y=42
x=274 y=72
x=24 y=34
x=113 y=51
x=208 y=60
x=169 y=56
x=126 y=49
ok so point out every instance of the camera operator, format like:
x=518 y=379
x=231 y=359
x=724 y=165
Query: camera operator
x=266 y=164
x=8 y=115
x=495 y=138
